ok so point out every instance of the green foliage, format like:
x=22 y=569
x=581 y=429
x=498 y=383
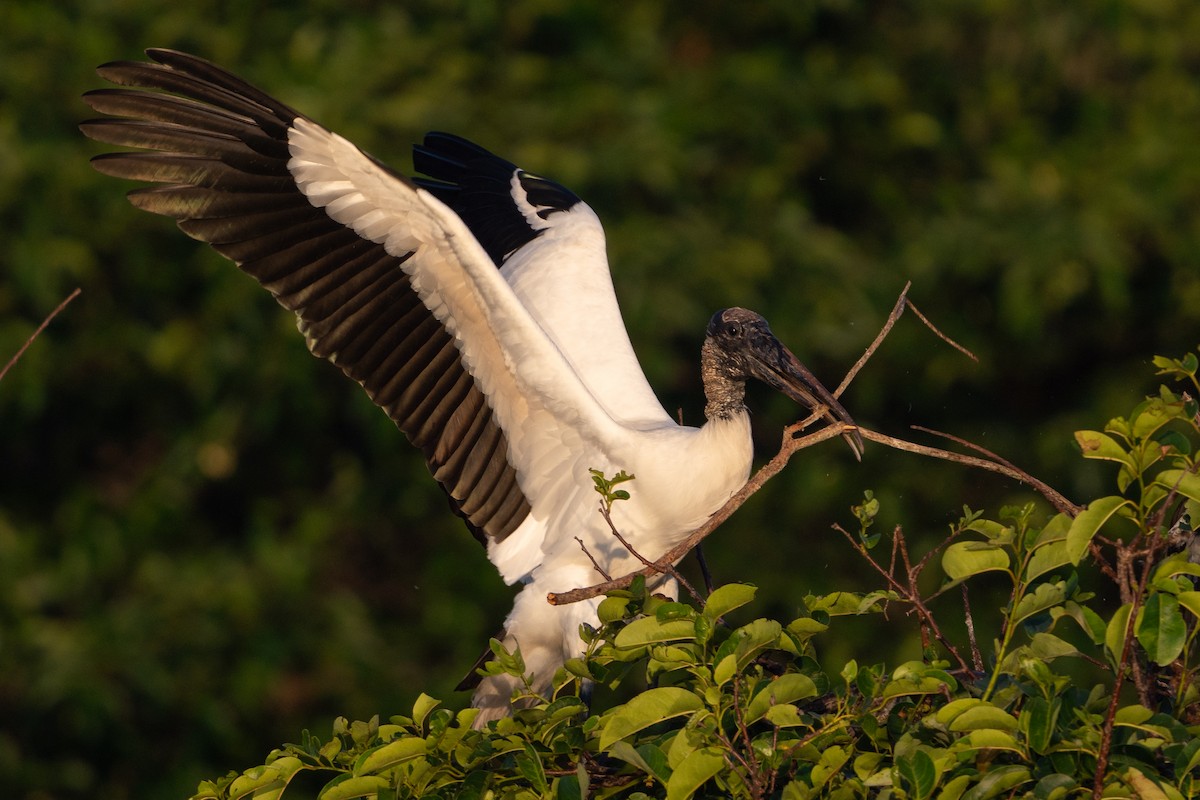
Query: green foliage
x=1069 y=695
x=209 y=540
x=605 y=487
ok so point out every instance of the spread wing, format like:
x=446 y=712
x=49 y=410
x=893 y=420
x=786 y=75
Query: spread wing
x=387 y=281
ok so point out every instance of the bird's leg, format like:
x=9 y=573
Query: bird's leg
x=704 y=571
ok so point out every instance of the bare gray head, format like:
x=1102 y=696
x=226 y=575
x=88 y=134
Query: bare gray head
x=739 y=346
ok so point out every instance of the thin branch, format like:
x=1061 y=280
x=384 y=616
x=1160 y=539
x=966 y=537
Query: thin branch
x=661 y=566
x=775 y=465
x=897 y=310
x=768 y=471
x=909 y=594
x=592 y=558
x=705 y=572
x=1055 y=498
x=941 y=335
x=38 y=332
x=1123 y=662
x=969 y=445
x=792 y=442
x=976 y=656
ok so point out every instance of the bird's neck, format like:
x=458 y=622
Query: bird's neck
x=724 y=393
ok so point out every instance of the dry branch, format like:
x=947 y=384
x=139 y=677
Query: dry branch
x=793 y=441
x=38 y=332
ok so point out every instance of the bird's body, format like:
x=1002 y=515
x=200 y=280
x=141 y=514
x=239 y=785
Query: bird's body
x=476 y=308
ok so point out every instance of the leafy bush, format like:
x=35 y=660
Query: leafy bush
x=1079 y=690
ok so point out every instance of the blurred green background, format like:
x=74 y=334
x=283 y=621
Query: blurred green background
x=210 y=540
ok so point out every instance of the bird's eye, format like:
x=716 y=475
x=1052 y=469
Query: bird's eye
x=733 y=330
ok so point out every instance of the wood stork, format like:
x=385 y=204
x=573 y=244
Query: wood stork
x=476 y=308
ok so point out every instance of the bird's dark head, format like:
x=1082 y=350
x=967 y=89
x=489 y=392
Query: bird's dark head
x=739 y=346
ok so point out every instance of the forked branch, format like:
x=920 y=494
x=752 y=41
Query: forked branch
x=794 y=441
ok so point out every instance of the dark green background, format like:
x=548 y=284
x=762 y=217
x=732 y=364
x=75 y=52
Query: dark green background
x=210 y=540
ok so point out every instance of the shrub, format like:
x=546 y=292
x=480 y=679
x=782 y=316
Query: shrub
x=1087 y=686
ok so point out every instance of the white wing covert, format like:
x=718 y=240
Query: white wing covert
x=386 y=280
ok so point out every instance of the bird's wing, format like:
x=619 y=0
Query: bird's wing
x=550 y=247
x=386 y=280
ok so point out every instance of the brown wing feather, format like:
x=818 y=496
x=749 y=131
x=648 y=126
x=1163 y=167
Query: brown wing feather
x=221 y=150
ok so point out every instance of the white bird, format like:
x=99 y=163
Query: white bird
x=476 y=309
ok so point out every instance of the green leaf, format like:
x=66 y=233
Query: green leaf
x=1182 y=481
x=983 y=715
x=788 y=688
x=1114 y=634
x=1088 y=620
x=612 y=609
x=648 y=708
x=964 y=559
x=1054 y=787
x=422 y=707
x=918 y=773
x=1151 y=415
x=998 y=781
x=389 y=755
x=1190 y=601
x=1161 y=628
x=725 y=669
x=727 y=598
x=955 y=787
x=531 y=769
x=1176 y=564
x=867 y=764
x=1146 y=789
x=649 y=630
x=266 y=783
x=784 y=716
x=1134 y=715
x=1047 y=647
x=1044 y=596
x=1047 y=556
x=1089 y=522
x=993 y=739
x=673 y=610
x=1095 y=444
x=1038 y=720
x=696 y=768
x=926 y=684
x=350 y=786
x=946 y=714
x=647 y=757
x=745 y=644
x=832 y=760
x=806 y=627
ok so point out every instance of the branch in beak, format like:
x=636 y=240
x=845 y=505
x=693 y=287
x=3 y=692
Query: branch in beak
x=795 y=380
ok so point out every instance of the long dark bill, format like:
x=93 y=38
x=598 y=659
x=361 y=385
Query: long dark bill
x=783 y=371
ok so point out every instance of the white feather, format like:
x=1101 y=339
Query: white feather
x=544 y=340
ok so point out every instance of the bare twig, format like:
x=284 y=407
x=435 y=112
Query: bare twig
x=793 y=441
x=768 y=471
x=909 y=592
x=897 y=310
x=776 y=464
x=969 y=445
x=38 y=332
x=941 y=335
x=705 y=572
x=604 y=574
x=661 y=566
x=976 y=656
x=1137 y=589
x=1054 y=497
